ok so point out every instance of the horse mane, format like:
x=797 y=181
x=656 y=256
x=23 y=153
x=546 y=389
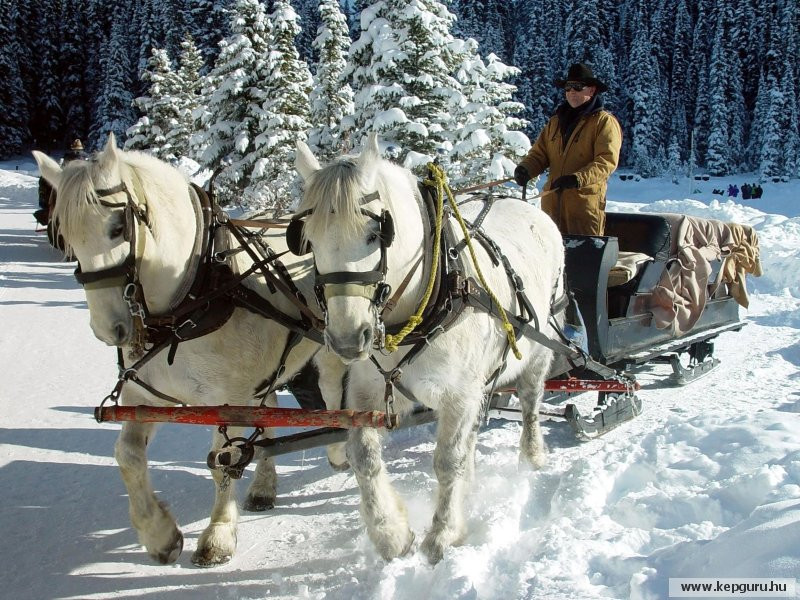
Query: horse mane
x=77 y=200
x=334 y=192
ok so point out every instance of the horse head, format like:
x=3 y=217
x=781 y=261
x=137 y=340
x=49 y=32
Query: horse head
x=350 y=210
x=128 y=218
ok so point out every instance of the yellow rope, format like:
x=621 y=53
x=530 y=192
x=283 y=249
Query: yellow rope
x=440 y=181
x=391 y=342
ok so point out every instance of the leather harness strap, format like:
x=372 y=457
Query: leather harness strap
x=213 y=295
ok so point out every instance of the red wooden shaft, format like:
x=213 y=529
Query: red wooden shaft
x=587 y=385
x=245 y=416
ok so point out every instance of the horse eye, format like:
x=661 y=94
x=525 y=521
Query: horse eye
x=372 y=238
x=117 y=230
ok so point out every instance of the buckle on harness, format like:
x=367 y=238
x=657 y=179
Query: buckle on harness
x=382 y=291
x=455 y=282
x=180 y=327
x=134 y=307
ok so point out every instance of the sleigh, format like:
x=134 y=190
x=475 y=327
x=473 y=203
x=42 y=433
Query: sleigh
x=658 y=286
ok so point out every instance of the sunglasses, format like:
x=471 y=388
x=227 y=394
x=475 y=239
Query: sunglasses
x=578 y=87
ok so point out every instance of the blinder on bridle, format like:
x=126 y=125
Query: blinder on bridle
x=123 y=273
x=299 y=246
x=367 y=284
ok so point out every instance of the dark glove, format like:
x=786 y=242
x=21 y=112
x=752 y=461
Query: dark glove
x=521 y=175
x=565 y=182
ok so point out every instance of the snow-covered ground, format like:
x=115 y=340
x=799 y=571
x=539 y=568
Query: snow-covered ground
x=705 y=483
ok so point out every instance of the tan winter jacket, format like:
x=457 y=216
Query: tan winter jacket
x=591 y=153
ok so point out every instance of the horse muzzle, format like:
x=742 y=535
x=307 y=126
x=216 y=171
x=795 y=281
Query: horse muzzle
x=352 y=347
x=118 y=332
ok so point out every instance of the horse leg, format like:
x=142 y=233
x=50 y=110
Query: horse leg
x=455 y=450
x=264 y=489
x=332 y=374
x=218 y=540
x=530 y=390
x=156 y=527
x=381 y=508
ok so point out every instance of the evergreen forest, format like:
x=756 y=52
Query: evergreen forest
x=696 y=84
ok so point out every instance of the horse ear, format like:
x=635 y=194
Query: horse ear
x=48 y=168
x=111 y=143
x=304 y=161
x=109 y=156
x=371 y=152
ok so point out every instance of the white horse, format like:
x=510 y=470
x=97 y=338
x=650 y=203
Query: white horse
x=223 y=367
x=346 y=228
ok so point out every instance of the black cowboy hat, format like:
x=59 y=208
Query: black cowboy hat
x=581 y=72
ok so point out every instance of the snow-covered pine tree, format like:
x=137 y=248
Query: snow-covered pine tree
x=745 y=33
x=352 y=10
x=487 y=141
x=790 y=27
x=761 y=122
x=662 y=28
x=209 y=24
x=490 y=22
x=159 y=108
x=235 y=90
x=308 y=12
x=582 y=32
x=791 y=139
x=678 y=145
x=171 y=16
x=284 y=118
x=403 y=92
x=770 y=133
x=99 y=18
x=145 y=34
x=41 y=38
x=114 y=105
x=588 y=42
x=188 y=99
x=539 y=61
x=770 y=123
x=14 y=118
x=698 y=105
x=331 y=96
x=681 y=86
x=643 y=104
x=719 y=155
x=374 y=34
x=74 y=98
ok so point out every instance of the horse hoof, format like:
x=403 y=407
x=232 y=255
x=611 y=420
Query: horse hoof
x=258 y=503
x=339 y=467
x=207 y=558
x=432 y=550
x=393 y=550
x=171 y=554
x=437 y=542
x=529 y=463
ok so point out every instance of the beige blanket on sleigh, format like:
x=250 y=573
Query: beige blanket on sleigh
x=679 y=298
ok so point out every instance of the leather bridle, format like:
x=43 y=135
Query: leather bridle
x=125 y=274
x=367 y=284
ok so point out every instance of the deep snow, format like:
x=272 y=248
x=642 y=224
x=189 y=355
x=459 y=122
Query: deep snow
x=706 y=482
